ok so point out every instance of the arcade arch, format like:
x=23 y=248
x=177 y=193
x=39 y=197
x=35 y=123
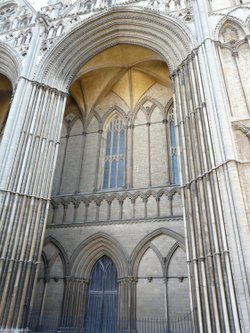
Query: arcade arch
x=119 y=109
x=206 y=172
x=167 y=36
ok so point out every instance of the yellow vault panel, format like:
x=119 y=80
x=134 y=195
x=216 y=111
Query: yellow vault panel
x=121 y=56
x=121 y=88
x=96 y=84
x=140 y=84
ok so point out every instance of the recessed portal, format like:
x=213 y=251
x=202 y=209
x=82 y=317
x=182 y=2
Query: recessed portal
x=117 y=173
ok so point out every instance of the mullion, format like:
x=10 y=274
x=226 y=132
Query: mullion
x=118 y=153
x=111 y=156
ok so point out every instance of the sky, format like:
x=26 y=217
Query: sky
x=37 y=4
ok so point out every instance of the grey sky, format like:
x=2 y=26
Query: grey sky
x=37 y=4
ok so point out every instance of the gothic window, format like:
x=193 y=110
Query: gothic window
x=101 y=311
x=113 y=176
x=231 y=33
x=173 y=153
x=7 y=11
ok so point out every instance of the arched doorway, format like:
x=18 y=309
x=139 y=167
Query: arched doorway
x=102 y=298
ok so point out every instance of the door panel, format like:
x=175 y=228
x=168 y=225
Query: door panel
x=101 y=311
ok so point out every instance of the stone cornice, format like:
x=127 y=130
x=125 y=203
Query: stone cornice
x=132 y=194
x=115 y=222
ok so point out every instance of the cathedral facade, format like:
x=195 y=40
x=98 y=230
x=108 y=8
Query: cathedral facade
x=124 y=166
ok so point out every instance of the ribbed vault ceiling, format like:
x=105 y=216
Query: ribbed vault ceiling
x=126 y=70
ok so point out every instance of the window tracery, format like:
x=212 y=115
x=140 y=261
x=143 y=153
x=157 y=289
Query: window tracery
x=5 y=17
x=231 y=33
x=113 y=175
x=173 y=151
x=7 y=11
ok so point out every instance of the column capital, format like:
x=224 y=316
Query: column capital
x=45 y=86
x=72 y=279
x=128 y=280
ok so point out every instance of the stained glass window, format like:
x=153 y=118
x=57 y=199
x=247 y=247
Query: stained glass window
x=113 y=176
x=173 y=153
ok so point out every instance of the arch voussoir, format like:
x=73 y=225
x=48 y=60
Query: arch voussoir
x=10 y=63
x=92 y=249
x=163 y=34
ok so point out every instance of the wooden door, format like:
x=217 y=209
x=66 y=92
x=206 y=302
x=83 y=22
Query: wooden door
x=101 y=310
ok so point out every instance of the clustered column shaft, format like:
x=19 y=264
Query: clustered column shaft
x=74 y=304
x=127 y=313
x=28 y=162
x=208 y=250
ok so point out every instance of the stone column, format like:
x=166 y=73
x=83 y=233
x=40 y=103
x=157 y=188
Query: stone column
x=120 y=209
x=149 y=156
x=59 y=189
x=123 y=316
x=65 y=208
x=167 y=137
x=28 y=156
x=54 y=205
x=100 y=134
x=131 y=158
x=98 y=205
x=145 y=201
x=46 y=282
x=127 y=305
x=226 y=230
x=158 y=211
x=76 y=203
x=72 y=318
x=209 y=256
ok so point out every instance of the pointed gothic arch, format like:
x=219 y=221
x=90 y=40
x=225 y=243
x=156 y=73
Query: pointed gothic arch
x=231 y=23
x=10 y=63
x=165 y=35
x=93 y=248
x=145 y=99
x=61 y=250
x=89 y=119
x=109 y=114
x=143 y=245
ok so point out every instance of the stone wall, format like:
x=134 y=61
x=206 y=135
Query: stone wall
x=142 y=220
x=153 y=254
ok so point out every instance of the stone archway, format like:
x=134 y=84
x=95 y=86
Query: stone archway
x=197 y=135
x=10 y=63
x=10 y=68
x=84 y=258
x=165 y=35
x=27 y=169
